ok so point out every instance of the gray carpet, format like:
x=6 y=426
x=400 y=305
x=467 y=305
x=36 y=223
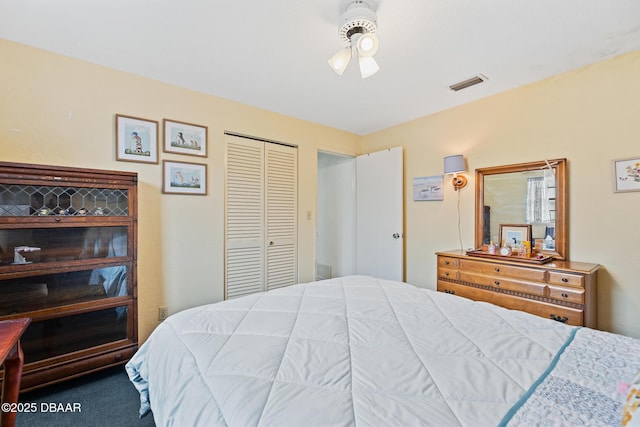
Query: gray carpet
x=105 y=398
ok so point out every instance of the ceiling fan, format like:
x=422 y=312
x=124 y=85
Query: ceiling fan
x=358 y=28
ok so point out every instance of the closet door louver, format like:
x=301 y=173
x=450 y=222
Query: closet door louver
x=261 y=216
x=281 y=200
x=244 y=217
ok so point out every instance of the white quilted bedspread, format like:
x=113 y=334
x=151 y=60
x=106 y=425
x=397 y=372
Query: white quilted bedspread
x=343 y=352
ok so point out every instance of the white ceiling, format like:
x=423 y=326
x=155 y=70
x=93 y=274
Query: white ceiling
x=273 y=54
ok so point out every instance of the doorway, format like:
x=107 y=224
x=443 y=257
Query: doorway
x=336 y=216
x=360 y=215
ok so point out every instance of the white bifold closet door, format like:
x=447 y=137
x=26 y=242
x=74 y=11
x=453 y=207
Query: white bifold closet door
x=261 y=216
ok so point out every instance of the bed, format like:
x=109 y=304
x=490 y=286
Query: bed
x=369 y=352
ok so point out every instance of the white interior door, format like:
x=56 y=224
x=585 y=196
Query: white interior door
x=380 y=205
x=281 y=168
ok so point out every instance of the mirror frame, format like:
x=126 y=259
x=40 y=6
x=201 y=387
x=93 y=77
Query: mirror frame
x=560 y=168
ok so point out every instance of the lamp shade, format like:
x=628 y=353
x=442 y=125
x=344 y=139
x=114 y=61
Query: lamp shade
x=340 y=60
x=454 y=164
x=368 y=66
x=367 y=44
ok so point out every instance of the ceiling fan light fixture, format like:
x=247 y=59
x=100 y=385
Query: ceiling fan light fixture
x=340 y=60
x=358 y=17
x=358 y=27
x=368 y=66
x=367 y=44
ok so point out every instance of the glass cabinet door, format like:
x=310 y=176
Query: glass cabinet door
x=29 y=294
x=55 y=337
x=20 y=246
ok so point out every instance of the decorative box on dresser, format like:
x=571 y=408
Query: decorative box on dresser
x=68 y=242
x=561 y=290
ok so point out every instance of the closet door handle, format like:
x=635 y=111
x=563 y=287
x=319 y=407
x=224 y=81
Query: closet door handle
x=271 y=243
x=396 y=236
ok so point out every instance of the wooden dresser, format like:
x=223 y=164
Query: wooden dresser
x=561 y=290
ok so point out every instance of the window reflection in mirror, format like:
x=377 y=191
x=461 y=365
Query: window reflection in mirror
x=527 y=193
x=526 y=197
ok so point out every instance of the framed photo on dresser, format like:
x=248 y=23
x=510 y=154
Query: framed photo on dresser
x=514 y=234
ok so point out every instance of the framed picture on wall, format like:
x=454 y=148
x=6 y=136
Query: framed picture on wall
x=427 y=188
x=626 y=175
x=184 y=178
x=514 y=234
x=136 y=139
x=185 y=138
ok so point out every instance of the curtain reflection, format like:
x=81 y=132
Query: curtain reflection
x=537 y=201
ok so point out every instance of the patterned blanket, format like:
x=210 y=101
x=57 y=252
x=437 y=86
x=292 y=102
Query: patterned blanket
x=580 y=385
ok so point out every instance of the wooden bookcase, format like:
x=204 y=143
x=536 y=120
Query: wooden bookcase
x=68 y=245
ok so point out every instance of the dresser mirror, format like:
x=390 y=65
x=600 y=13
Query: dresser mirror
x=532 y=193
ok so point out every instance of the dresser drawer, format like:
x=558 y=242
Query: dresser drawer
x=456 y=289
x=566 y=279
x=566 y=294
x=501 y=270
x=447 y=262
x=447 y=273
x=508 y=284
x=563 y=314
x=570 y=316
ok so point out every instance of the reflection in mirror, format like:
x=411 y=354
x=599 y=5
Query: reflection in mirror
x=507 y=190
x=527 y=193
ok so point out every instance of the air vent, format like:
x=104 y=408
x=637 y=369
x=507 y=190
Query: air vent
x=468 y=82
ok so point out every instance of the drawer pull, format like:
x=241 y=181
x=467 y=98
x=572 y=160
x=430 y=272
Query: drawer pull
x=497 y=269
x=497 y=283
x=564 y=295
x=446 y=273
x=561 y=319
x=446 y=263
x=447 y=291
x=565 y=280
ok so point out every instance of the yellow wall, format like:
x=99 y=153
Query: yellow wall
x=591 y=116
x=57 y=110
x=60 y=111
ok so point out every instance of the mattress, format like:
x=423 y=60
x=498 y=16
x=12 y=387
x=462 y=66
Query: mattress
x=354 y=351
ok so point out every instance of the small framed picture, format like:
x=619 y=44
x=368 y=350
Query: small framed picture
x=514 y=234
x=185 y=138
x=626 y=175
x=184 y=178
x=427 y=188
x=136 y=139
